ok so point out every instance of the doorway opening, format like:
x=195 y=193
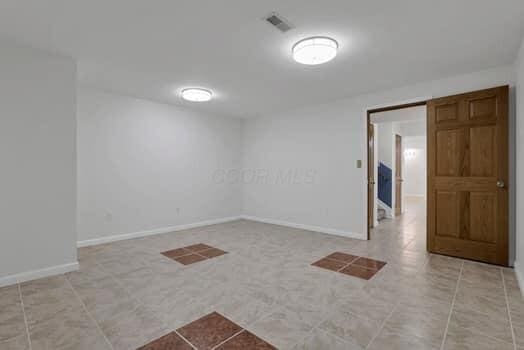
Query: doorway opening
x=397 y=161
x=467 y=167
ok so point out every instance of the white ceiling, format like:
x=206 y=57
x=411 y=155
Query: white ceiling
x=152 y=48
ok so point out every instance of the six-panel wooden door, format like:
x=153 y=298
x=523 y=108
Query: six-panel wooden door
x=468 y=175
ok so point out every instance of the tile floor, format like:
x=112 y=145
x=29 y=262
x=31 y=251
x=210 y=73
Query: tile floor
x=212 y=331
x=352 y=265
x=193 y=253
x=126 y=294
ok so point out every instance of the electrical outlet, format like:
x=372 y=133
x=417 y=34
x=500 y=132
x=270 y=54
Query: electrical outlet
x=108 y=217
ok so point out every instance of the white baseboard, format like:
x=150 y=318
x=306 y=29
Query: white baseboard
x=520 y=276
x=36 y=274
x=124 y=236
x=330 y=231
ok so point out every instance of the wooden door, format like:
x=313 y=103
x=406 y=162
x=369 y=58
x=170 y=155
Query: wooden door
x=371 y=176
x=398 y=175
x=468 y=175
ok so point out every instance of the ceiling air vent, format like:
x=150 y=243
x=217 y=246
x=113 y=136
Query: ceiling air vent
x=279 y=22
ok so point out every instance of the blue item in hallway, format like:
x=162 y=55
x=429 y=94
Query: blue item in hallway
x=384 y=184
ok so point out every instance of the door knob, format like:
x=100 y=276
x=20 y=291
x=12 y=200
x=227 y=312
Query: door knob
x=501 y=184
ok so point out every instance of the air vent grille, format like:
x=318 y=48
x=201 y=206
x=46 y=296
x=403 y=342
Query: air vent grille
x=278 y=22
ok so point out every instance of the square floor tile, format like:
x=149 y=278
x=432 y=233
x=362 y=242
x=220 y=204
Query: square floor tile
x=369 y=263
x=352 y=328
x=209 y=331
x=244 y=341
x=212 y=253
x=333 y=265
x=198 y=247
x=175 y=253
x=347 y=258
x=190 y=259
x=360 y=272
x=171 y=341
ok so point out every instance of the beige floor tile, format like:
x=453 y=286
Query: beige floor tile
x=517 y=321
x=12 y=323
x=515 y=298
x=282 y=328
x=9 y=295
x=352 y=328
x=132 y=329
x=87 y=274
x=388 y=339
x=365 y=305
x=423 y=318
x=464 y=339
x=104 y=297
x=482 y=285
x=488 y=303
x=18 y=343
x=244 y=310
x=321 y=340
x=477 y=322
x=431 y=286
x=72 y=330
x=49 y=298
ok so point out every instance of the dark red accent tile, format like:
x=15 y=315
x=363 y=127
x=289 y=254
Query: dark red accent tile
x=190 y=259
x=175 y=253
x=333 y=265
x=211 y=253
x=360 y=272
x=245 y=341
x=171 y=341
x=369 y=263
x=198 y=247
x=209 y=331
x=347 y=258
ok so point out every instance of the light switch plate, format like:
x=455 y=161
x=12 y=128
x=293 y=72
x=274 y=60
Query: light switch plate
x=359 y=163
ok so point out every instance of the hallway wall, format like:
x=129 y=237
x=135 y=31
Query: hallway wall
x=414 y=173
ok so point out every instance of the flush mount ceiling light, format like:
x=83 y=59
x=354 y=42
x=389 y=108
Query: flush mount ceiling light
x=315 y=50
x=196 y=94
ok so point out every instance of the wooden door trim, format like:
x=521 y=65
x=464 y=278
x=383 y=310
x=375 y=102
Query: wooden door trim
x=398 y=169
x=371 y=165
x=368 y=127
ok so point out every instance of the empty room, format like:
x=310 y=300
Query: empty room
x=293 y=175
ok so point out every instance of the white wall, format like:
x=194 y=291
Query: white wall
x=144 y=166
x=37 y=153
x=327 y=140
x=385 y=143
x=386 y=139
x=414 y=171
x=519 y=264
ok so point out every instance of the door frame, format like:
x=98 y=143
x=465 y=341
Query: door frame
x=398 y=169
x=369 y=112
x=371 y=165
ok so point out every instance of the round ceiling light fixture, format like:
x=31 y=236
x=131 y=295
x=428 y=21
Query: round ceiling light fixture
x=315 y=50
x=196 y=94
